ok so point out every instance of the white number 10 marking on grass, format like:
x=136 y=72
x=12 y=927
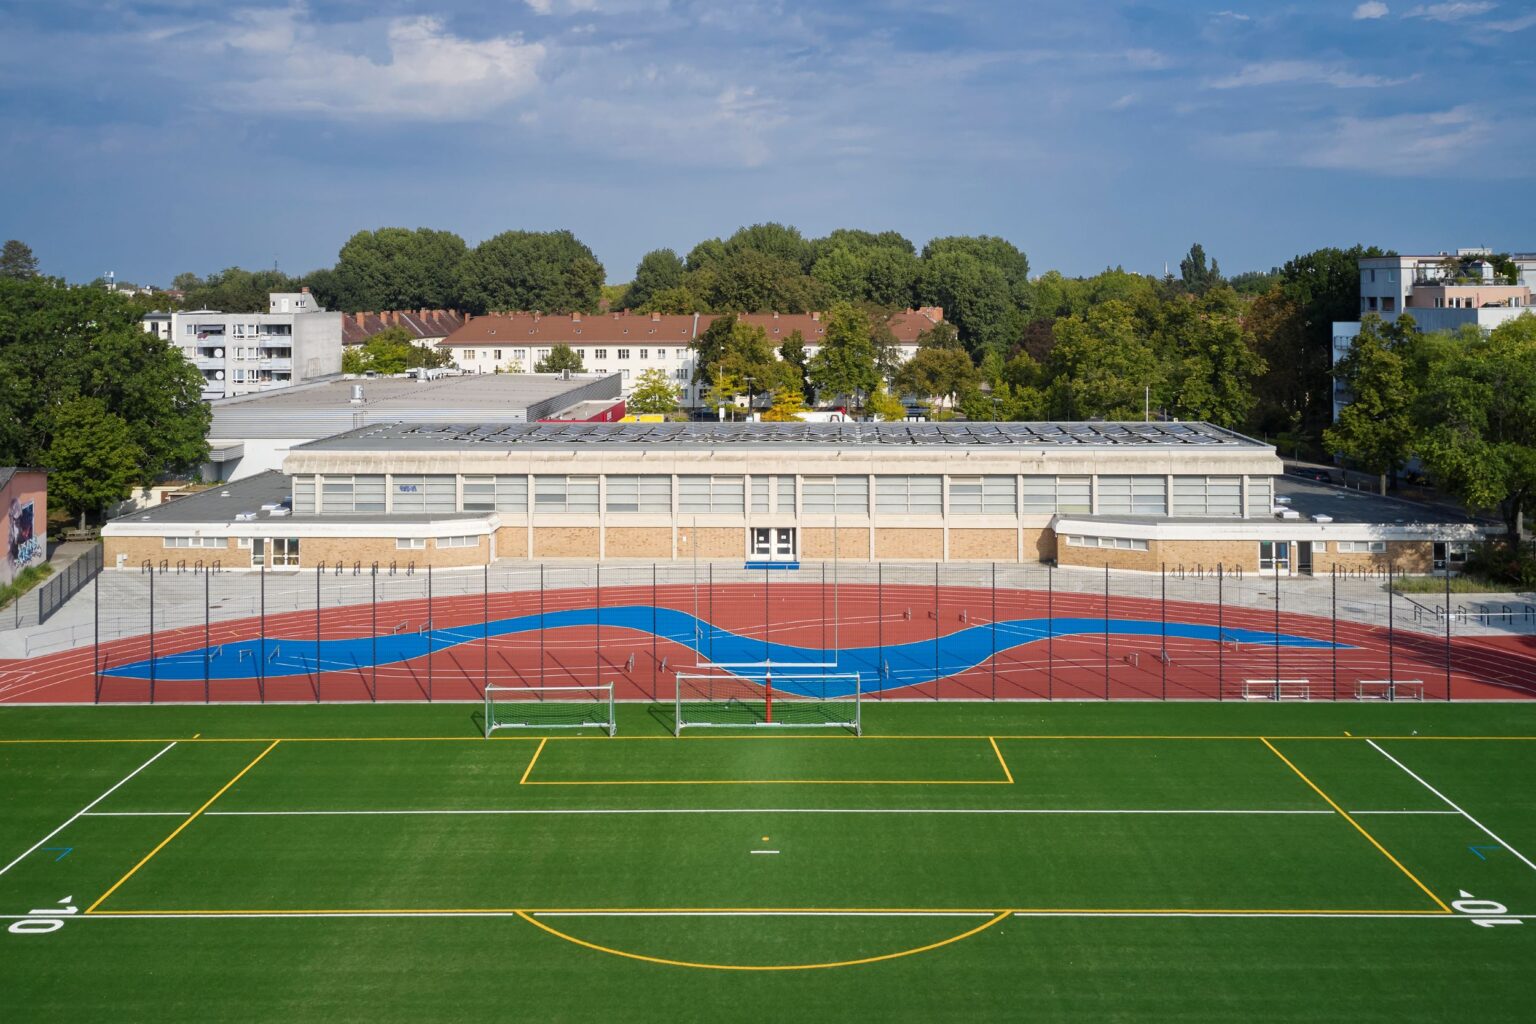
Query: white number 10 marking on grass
x=46 y=920
x=1484 y=913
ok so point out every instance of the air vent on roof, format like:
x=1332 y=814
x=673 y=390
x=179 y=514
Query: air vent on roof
x=1320 y=518
x=244 y=517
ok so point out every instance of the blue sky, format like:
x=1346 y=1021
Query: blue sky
x=154 y=136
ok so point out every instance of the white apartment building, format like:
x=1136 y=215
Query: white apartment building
x=627 y=344
x=1443 y=292
x=243 y=353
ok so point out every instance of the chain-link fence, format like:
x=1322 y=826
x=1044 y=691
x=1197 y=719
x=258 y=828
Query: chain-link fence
x=911 y=631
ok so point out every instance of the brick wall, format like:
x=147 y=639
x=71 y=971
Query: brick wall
x=817 y=542
x=639 y=542
x=984 y=545
x=906 y=544
x=565 y=542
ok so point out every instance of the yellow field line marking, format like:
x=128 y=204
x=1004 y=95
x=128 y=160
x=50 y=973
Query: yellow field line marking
x=1358 y=827
x=1000 y=760
x=180 y=828
x=1001 y=915
x=532 y=761
x=774 y=782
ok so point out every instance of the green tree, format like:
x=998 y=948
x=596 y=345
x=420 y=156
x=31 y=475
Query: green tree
x=17 y=261
x=1209 y=357
x=779 y=241
x=57 y=344
x=1477 y=421
x=723 y=391
x=1100 y=365
x=397 y=268
x=749 y=280
x=793 y=354
x=883 y=405
x=1196 y=277
x=325 y=286
x=92 y=457
x=653 y=393
x=940 y=335
x=548 y=271
x=976 y=298
x=1294 y=335
x=788 y=404
x=1375 y=429
x=658 y=271
x=940 y=374
x=988 y=249
x=392 y=350
x=678 y=300
x=560 y=359
x=1255 y=282
x=186 y=281
x=845 y=364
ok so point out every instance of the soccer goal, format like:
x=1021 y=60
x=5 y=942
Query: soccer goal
x=549 y=707
x=1389 y=689
x=722 y=698
x=1277 y=689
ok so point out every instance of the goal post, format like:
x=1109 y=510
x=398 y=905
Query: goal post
x=1277 y=689
x=549 y=707
x=720 y=698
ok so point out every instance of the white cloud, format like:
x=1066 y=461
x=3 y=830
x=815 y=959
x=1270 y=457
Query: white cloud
x=426 y=72
x=1302 y=72
x=1397 y=145
x=1371 y=10
x=1451 y=11
x=1235 y=16
x=1514 y=24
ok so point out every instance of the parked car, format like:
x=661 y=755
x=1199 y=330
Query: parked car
x=1310 y=473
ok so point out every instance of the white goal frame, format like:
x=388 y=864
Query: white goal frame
x=600 y=695
x=1389 y=689
x=1277 y=689
x=769 y=696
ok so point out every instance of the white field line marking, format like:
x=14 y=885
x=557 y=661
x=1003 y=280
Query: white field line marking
x=765 y=851
x=87 y=807
x=1485 y=829
x=1403 y=812
x=750 y=810
x=136 y=814
x=214 y=915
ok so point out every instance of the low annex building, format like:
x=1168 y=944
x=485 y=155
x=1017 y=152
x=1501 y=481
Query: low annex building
x=1130 y=495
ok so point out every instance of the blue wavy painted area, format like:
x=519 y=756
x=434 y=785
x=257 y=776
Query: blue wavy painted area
x=893 y=665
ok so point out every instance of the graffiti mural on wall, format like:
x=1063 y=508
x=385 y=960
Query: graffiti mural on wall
x=23 y=547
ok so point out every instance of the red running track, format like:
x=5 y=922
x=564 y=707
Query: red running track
x=642 y=666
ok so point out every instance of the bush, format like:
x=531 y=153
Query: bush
x=25 y=580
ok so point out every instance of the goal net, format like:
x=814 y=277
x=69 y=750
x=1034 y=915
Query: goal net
x=549 y=707
x=726 y=698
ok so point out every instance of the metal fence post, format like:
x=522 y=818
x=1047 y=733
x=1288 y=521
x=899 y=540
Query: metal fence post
x=1163 y=652
x=152 y=634
x=1447 y=626
x=207 y=654
x=485 y=630
x=373 y=628
x=261 y=669
x=1050 y=632
x=430 y=625
x=1106 y=631
x=1221 y=633
x=994 y=631
x=319 y=571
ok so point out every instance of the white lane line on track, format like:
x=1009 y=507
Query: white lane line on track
x=86 y=808
x=759 y=810
x=1484 y=828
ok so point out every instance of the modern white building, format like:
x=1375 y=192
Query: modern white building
x=1443 y=292
x=242 y=353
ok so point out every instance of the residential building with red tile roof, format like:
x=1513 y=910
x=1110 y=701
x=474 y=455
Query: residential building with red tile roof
x=630 y=343
x=426 y=326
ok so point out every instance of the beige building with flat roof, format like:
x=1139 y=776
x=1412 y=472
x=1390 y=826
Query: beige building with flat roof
x=1131 y=495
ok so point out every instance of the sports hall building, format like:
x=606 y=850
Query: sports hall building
x=1128 y=495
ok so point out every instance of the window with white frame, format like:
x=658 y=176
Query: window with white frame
x=773 y=493
x=716 y=495
x=496 y=494
x=575 y=495
x=410 y=543
x=645 y=353
x=1362 y=547
x=651 y=494
x=1120 y=543
x=600 y=353
x=423 y=494
x=1208 y=497
x=835 y=495
x=623 y=353
x=981 y=495
x=303 y=495
x=1261 y=497
x=1047 y=495
x=352 y=493
x=458 y=542
x=909 y=495
x=197 y=542
x=1133 y=496
x=682 y=374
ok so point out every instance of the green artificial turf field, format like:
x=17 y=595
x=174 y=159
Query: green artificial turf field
x=1014 y=861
